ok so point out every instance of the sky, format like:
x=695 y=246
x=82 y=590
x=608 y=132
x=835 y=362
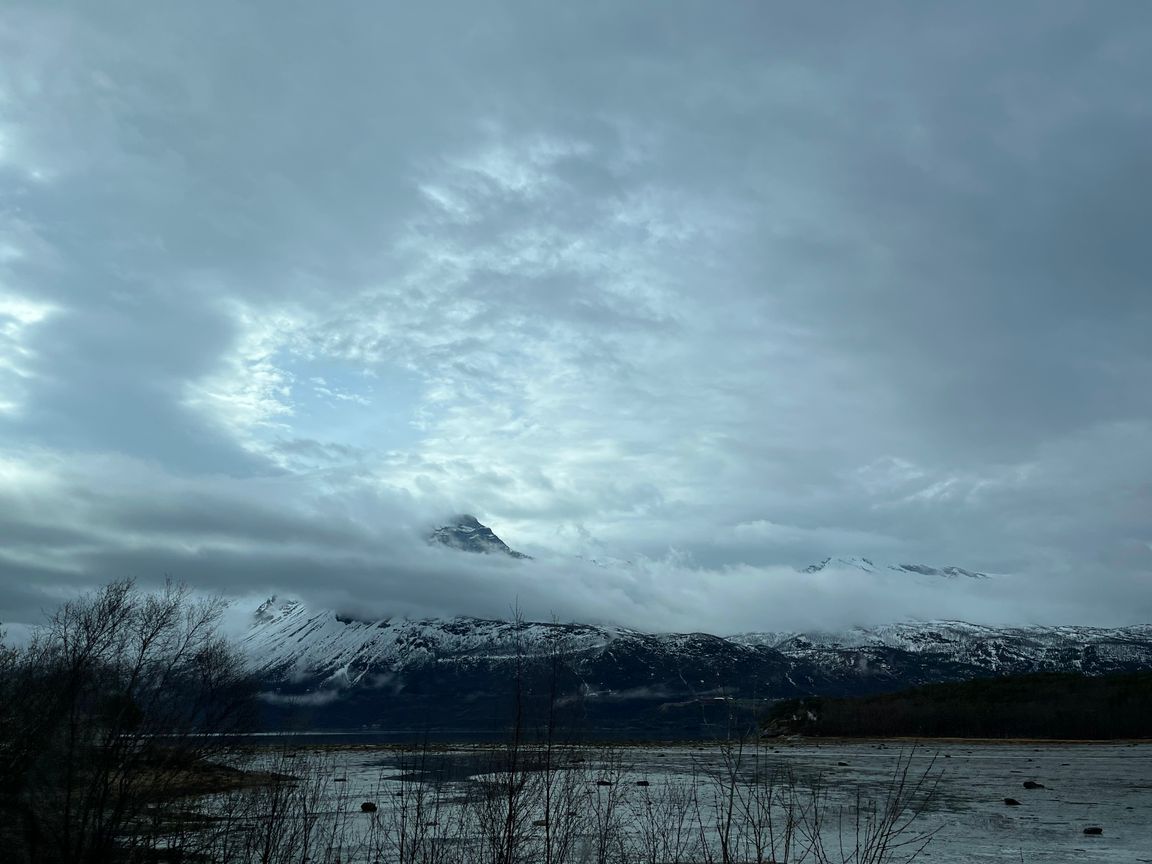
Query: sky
x=677 y=297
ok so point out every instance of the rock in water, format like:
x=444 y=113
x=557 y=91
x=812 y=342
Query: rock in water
x=1011 y=802
x=1032 y=784
x=1094 y=831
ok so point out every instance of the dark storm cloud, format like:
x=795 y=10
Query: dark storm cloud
x=716 y=290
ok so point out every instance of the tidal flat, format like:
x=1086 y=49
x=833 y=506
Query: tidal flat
x=960 y=806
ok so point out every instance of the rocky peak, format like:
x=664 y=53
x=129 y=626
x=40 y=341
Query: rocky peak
x=466 y=533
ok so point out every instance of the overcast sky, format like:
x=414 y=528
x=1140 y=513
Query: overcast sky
x=704 y=291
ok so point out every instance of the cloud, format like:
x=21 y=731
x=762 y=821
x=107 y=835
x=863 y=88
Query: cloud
x=717 y=292
x=17 y=316
x=348 y=544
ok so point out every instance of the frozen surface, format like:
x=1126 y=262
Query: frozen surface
x=1104 y=785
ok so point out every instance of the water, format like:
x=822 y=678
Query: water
x=1103 y=785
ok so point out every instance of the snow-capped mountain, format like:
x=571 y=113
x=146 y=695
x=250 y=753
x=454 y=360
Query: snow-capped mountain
x=894 y=648
x=869 y=566
x=457 y=672
x=467 y=534
x=461 y=672
x=855 y=562
x=464 y=673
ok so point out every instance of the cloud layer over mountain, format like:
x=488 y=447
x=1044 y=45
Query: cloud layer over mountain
x=718 y=290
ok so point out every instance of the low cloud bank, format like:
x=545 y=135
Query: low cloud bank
x=363 y=552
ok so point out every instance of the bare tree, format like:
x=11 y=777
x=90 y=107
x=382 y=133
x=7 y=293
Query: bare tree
x=661 y=819
x=114 y=705
x=875 y=830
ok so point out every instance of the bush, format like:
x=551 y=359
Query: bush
x=115 y=704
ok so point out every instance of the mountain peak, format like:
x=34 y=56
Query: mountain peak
x=850 y=562
x=468 y=534
x=841 y=562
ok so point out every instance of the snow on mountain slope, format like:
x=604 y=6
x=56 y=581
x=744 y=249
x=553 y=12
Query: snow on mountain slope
x=353 y=672
x=463 y=672
x=851 y=562
x=287 y=639
x=989 y=649
x=467 y=534
x=289 y=642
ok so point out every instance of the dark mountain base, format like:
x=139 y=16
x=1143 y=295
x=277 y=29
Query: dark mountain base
x=1044 y=706
x=322 y=671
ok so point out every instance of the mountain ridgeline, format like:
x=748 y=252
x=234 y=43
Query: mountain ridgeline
x=869 y=566
x=326 y=671
x=457 y=673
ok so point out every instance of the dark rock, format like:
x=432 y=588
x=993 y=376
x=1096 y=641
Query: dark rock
x=1032 y=784
x=643 y=783
x=468 y=535
x=368 y=807
x=842 y=764
x=1011 y=802
x=1094 y=831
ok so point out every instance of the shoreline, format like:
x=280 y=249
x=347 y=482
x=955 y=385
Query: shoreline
x=445 y=746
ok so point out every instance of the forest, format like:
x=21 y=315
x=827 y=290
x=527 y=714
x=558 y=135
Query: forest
x=1046 y=706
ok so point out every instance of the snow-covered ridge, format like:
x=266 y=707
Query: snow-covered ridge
x=372 y=668
x=287 y=641
x=1060 y=648
x=851 y=562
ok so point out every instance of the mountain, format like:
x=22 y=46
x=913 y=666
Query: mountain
x=328 y=671
x=868 y=566
x=467 y=534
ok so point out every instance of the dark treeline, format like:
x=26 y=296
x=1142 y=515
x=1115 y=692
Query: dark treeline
x=1048 y=705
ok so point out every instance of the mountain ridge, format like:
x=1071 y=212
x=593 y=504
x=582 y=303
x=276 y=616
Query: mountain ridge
x=348 y=671
x=393 y=671
x=851 y=562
